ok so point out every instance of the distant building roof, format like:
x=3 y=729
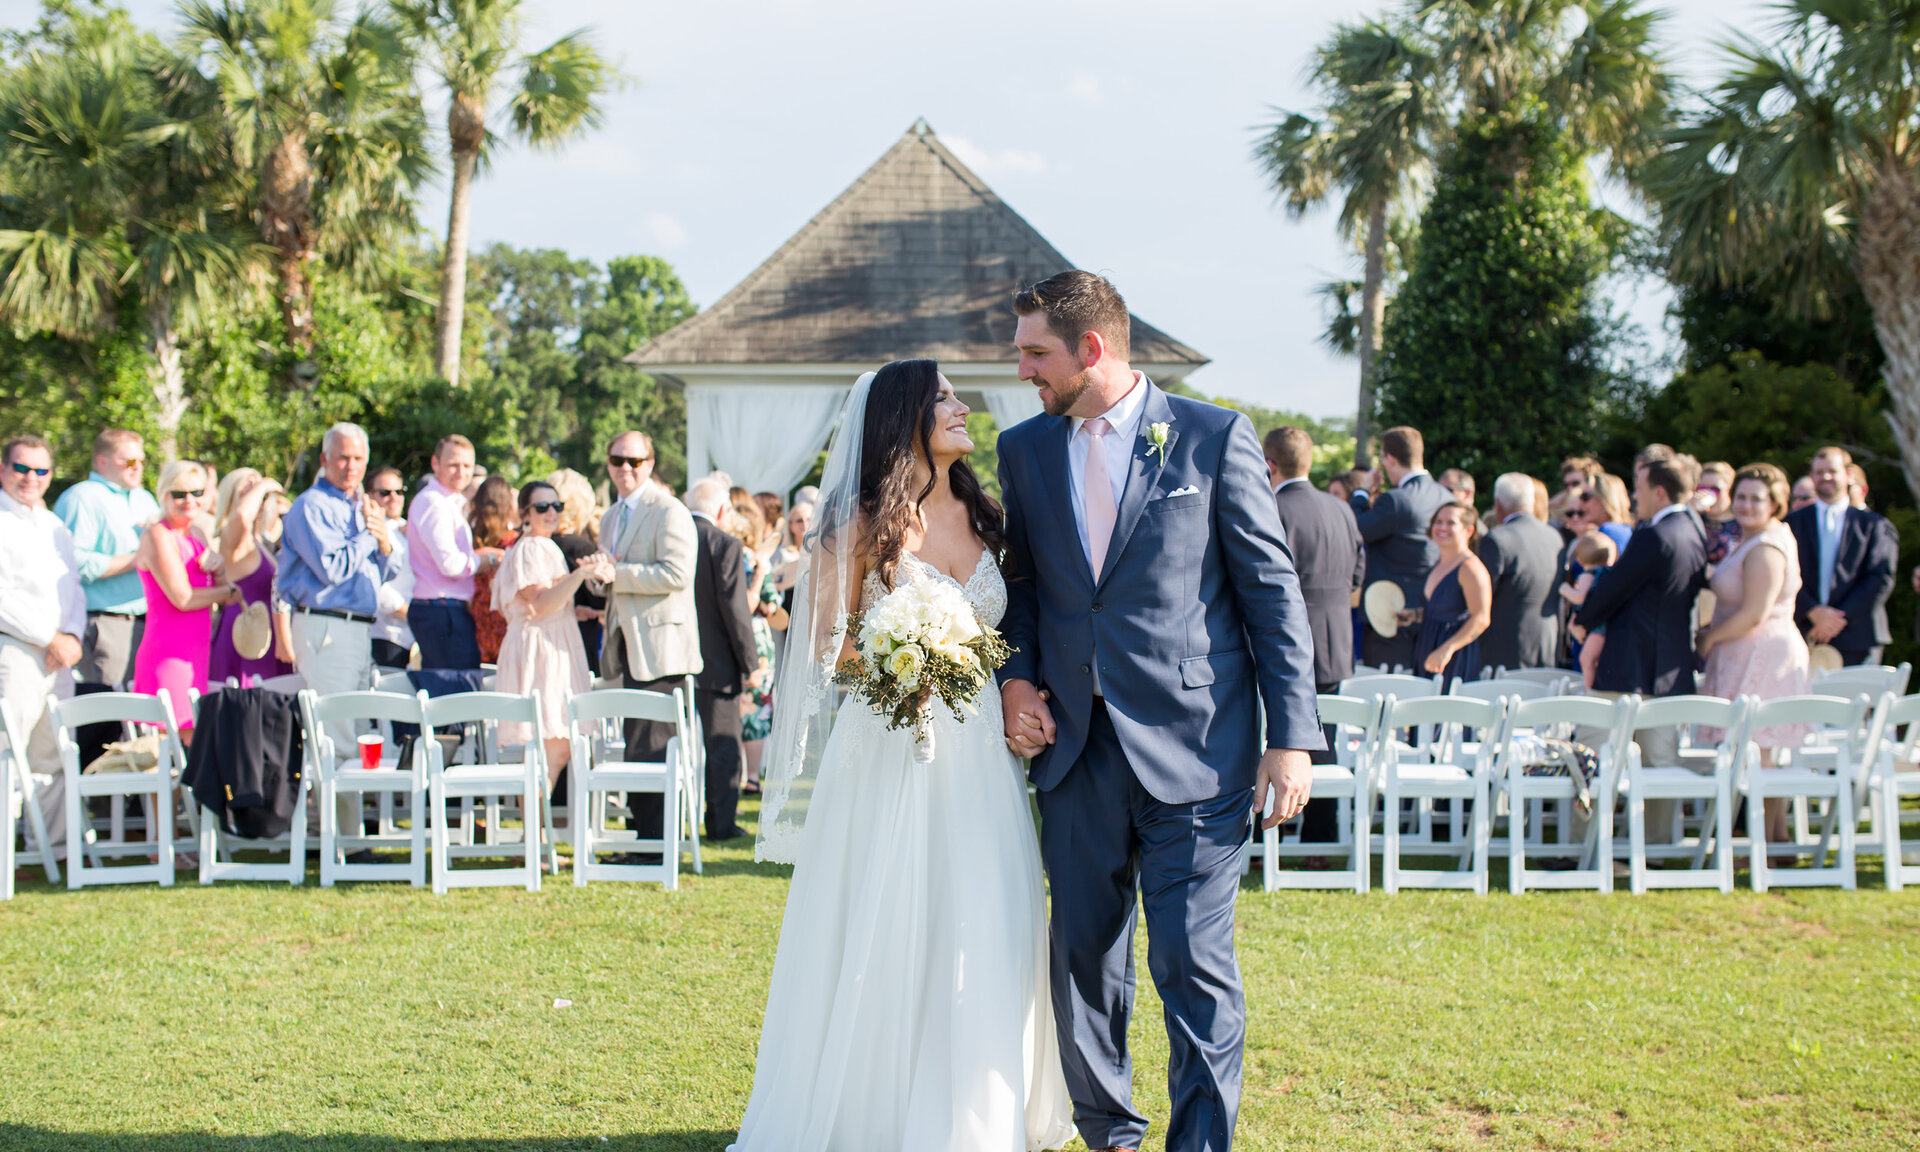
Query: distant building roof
x=917 y=257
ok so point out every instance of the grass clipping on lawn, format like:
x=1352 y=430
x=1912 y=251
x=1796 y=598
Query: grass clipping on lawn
x=258 y=1017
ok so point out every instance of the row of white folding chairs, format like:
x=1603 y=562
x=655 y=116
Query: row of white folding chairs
x=1848 y=768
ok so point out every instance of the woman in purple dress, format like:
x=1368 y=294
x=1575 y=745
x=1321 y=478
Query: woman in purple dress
x=245 y=512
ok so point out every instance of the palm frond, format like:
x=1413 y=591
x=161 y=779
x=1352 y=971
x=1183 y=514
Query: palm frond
x=560 y=91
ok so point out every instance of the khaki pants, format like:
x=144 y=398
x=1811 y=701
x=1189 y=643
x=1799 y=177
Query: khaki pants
x=25 y=685
x=106 y=651
x=334 y=655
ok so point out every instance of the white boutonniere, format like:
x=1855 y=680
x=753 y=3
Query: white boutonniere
x=1157 y=440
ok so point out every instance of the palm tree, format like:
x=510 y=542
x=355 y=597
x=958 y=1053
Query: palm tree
x=1802 y=171
x=327 y=129
x=111 y=183
x=1373 y=140
x=473 y=46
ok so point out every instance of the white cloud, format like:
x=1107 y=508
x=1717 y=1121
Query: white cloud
x=667 y=232
x=1011 y=162
x=1085 y=88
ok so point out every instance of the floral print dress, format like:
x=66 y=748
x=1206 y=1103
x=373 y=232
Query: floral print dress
x=757 y=724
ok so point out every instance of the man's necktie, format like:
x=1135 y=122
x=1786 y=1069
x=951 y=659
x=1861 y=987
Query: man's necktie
x=1097 y=492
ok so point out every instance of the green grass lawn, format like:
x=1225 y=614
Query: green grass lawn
x=242 y=1018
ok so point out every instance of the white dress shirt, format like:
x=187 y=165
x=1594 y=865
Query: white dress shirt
x=1833 y=516
x=1669 y=510
x=1125 y=418
x=390 y=624
x=40 y=593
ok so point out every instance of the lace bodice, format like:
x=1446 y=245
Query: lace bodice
x=985 y=589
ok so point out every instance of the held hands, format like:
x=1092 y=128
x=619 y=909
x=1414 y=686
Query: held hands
x=599 y=568
x=1827 y=622
x=1287 y=775
x=1029 y=723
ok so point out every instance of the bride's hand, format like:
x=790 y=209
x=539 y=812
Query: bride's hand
x=1029 y=723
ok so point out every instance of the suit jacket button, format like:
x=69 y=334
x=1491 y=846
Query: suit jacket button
x=1097 y=606
x=1086 y=668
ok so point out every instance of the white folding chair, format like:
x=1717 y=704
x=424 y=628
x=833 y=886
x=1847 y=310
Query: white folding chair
x=593 y=774
x=1834 y=719
x=1389 y=683
x=526 y=780
x=159 y=785
x=1526 y=796
x=1893 y=775
x=1504 y=688
x=1556 y=679
x=217 y=845
x=1447 y=771
x=1680 y=782
x=1875 y=680
x=1349 y=782
x=335 y=771
x=19 y=794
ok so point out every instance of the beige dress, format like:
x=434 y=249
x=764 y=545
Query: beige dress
x=540 y=655
x=1771 y=661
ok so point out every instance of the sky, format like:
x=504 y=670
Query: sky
x=1121 y=129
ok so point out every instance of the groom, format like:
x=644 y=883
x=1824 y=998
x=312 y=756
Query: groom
x=1153 y=608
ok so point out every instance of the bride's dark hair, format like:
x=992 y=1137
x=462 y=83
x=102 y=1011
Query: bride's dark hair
x=899 y=416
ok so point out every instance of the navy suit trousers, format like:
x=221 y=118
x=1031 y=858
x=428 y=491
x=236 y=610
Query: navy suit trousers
x=1107 y=844
x=444 y=630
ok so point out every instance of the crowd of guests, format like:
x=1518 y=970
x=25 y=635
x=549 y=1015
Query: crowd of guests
x=1706 y=577
x=224 y=579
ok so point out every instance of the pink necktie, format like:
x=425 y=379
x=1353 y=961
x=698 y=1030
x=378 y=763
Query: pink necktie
x=1096 y=488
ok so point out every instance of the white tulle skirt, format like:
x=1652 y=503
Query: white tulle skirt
x=909 y=1006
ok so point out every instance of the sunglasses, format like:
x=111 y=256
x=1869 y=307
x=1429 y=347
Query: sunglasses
x=546 y=506
x=383 y=493
x=195 y=494
x=627 y=461
x=25 y=470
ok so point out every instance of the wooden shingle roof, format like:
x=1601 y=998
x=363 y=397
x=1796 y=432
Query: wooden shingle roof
x=917 y=257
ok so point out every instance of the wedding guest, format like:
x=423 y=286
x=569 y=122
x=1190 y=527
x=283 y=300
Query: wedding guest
x=1458 y=598
x=728 y=652
x=1458 y=482
x=785 y=563
x=247 y=505
x=806 y=494
x=1752 y=648
x=1850 y=555
x=391 y=637
x=181 y=594
x=493 y=519
x=774 y=513
x=579 y=525
x=653 y=636
x=43 y=615
x=1578 y=472
x=541 y=653
x=1646 y=602
x=1394 y=527
x=1857 y=485
x=1802 y=494
x=1338 y=488
x=446 y=600
x=1713 y=500
x=1522 y=558
x=1542 y=501
x=756 y=705
x=1593 y=553
x=106 y=513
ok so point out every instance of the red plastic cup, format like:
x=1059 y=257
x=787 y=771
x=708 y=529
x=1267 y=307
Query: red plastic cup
x=371 y=745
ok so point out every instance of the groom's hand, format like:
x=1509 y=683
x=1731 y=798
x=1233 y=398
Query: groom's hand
x=1029 y=723
x=1287 y=773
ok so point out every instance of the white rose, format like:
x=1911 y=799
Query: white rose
x=963 y=628
x=906 y=664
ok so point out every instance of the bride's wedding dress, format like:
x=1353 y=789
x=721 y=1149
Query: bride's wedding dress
x=909 y=1006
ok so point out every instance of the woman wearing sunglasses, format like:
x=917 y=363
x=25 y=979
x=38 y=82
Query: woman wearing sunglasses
x=181 y=595
x=542 y=654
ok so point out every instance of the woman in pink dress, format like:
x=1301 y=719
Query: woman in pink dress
x=541 y=654
x=1752 y=647
x=181 y=595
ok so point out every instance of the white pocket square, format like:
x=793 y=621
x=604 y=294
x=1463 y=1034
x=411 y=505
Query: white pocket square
x=1189 y=490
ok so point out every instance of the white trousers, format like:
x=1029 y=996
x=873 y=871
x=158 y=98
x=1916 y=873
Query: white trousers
x=334 y=655
x=25 y=685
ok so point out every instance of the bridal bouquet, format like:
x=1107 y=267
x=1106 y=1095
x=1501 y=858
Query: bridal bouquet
x=919 y=642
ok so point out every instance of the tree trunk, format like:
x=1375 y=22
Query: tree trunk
x=169 y=379
x=466 y=130
x=1373 y=307
x=1889 y=269
x=286 y=221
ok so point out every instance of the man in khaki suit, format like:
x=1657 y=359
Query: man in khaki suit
x=653 y=636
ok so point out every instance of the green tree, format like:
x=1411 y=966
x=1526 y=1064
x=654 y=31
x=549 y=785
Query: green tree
x=1800 y=177
x=643 y=298
x=327 y=133
x=473 y=47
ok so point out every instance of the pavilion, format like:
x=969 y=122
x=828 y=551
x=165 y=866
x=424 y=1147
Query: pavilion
x=917 y=258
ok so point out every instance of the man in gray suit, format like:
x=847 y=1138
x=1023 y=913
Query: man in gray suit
x=1152 y=608
x=1523 y=557
x=1394 y=525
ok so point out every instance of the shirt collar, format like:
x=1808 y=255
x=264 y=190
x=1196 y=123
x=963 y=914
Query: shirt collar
x=1512 y=516
x=1669 y=510
x=1837 y=507
x=1284 y=483
x=1408 y=478
x=111 y=486
x=434 y=485
x=9 y=505
x=325 y=487
x=1125 y=412
x=699 y=515
x=632 y=500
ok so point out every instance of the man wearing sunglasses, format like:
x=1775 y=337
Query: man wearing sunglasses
x=106 y=513
x=653 y=635
x=43 y=614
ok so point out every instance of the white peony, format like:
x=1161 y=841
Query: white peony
x=905 y=665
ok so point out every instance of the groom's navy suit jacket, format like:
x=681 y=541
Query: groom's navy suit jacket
x=1197 y=619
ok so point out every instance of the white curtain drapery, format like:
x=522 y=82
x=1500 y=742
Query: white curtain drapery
x=1011 y=403
x=765 y=437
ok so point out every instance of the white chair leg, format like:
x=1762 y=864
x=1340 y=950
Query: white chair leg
x=422 y=816
x=161 y=821
x=1843 y=805
x=209 y=845
x=6 y=828
x=1723 y=833
x=76 y=846
x=584 y=803
x=1757 y=838
x=37 y=825
x=1516 y=842
x=437 y=808
x=1636 y=844
x=1482 y=832
x=1390 y=843
x=328 y=833
x=1890 y=839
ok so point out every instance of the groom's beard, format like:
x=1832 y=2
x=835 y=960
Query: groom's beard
x=1065 y=396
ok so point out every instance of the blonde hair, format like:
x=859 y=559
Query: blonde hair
x=175 y=473
x=1594 y=550
x=576 y=491
x=224 y=497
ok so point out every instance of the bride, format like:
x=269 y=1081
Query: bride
x=909 y=1006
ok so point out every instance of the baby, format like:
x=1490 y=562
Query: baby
x=1595 y=553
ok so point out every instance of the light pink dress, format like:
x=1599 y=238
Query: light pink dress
x=540 y=655
x=1771 y=661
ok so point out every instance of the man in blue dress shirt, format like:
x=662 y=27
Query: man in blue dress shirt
x=106 y=513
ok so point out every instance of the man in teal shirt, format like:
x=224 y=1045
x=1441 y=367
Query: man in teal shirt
x=106 y=513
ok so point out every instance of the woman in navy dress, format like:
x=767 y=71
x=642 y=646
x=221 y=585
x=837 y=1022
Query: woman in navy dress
x=1459 y=598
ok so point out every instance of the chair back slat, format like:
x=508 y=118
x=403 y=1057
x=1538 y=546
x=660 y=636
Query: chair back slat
x=113 y=708
x=1503 y=688
x=474 y=707
x=1390 y=684
x=1666 y=711
x=347 y=707
x=624 y=704
x=1446 y=710
x=1578 y=711
x=1822 y=710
